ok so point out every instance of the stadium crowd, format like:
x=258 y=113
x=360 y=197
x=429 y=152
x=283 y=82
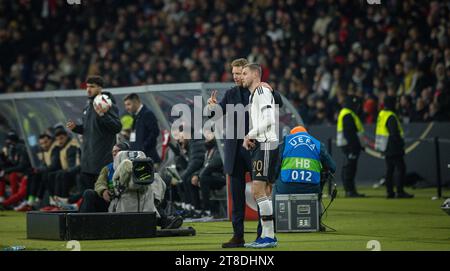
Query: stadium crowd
x=314 y=52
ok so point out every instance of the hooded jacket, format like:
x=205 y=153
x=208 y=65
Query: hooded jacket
x=99 y=136
x=18 y=159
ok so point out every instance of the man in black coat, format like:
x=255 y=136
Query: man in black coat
x=237 y=159
x=195 y=150
x=99 y=129
x=352 y=129
x=395 y=152
x=210 y=176
x=145 y=129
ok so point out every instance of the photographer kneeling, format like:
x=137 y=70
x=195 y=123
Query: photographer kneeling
x=115 y=190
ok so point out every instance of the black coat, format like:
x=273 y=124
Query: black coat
x=99 y=136
x=147 y=131
x=396 y=144
x=55 y=163
x=18 y=160
x=195 y=158
x=212 y=164
x=351 y=135
x=233 y=96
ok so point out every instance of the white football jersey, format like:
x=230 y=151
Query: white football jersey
x=262 y=115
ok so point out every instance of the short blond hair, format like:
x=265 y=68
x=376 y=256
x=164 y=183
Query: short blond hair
x=254 y=67
x=239 y=62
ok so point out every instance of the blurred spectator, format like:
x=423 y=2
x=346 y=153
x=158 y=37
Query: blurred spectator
x=406 y=110
x=419 y=115
x=326 y=45
x=320 y=116
x=369 y=111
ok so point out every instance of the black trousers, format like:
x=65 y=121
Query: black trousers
x=50 y=183
x=87 y=181
x=64 y=181
x=349 y=170
x=36 y=184
x=191 y=193
x=210 y=182
x=242 y=165
x=93 y=203
x=395 y=164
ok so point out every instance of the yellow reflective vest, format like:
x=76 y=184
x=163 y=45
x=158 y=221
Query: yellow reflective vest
x=46 y=157
x=381 y=132
x=341 y=141
x=63 y=154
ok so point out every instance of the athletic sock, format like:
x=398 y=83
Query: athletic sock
x=52 y=201
x=266 y=211
x=30 y=200
x=269 y=198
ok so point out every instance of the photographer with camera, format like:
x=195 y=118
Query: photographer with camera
x=109 y=195
x=98 y=199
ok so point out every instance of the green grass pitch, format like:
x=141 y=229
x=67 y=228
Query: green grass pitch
x=403 y=224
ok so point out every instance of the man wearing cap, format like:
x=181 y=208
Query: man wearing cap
x=389 y=140
x=99 y=129
x=349 y=131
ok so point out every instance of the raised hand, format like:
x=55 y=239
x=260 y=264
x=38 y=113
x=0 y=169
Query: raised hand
x=213 y=99
x=248 y=143
x=71 y=125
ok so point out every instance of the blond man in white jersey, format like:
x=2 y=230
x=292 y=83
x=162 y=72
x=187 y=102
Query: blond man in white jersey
x=262 y=141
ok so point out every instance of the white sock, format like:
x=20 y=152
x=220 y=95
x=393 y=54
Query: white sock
x=269 y=198
x=265 y=209
x=36 y=202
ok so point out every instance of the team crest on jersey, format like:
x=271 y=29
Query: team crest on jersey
x=302 y=140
